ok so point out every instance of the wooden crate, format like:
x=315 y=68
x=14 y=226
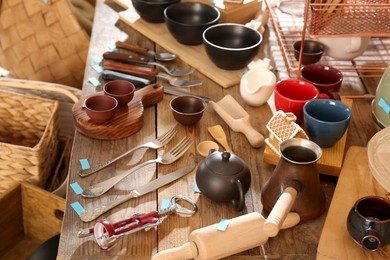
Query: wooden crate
x=29 y=216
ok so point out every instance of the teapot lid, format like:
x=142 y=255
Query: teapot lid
x=224 y=163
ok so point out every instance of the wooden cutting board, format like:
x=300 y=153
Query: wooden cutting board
x=127 y=119
x=331 y=160
x=193 y=55
x=355 y=181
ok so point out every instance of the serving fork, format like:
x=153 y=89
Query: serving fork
x=153 y=144
x=167 y=158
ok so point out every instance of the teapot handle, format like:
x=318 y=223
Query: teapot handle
x=240 y=203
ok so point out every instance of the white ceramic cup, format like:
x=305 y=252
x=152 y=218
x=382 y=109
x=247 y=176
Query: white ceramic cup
x=257 y=85
x=345 y=48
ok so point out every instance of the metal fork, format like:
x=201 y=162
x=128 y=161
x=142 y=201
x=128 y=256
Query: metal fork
x=179 y=82
x=167 y=158
x=154 y=144
x=172 y=71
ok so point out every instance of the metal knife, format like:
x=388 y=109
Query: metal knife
x=89 y=215
x=141 y=82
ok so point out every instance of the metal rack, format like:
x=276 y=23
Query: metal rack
x=316 y=22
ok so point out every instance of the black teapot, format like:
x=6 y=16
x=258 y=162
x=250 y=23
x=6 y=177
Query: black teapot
x=224 y=177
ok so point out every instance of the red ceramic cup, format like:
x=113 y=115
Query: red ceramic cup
x=291 y=94
x=326 y=78
x=100 y=108
x=121 y=90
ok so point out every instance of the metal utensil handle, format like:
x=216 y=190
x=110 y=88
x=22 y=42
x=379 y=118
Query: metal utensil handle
x=89 y=215
x=102 y=187
x=103 y=165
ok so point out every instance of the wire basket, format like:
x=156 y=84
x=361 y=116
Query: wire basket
x=28 y=139
x=350 y=17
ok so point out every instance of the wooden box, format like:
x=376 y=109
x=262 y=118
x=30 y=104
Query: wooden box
x=241 y=13
x=29 y=216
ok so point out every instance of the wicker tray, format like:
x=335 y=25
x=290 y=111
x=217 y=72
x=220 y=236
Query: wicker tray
x=28 y=138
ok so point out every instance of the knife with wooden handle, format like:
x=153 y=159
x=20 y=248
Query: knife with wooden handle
x=111 y=55
x=133 y=47
x=131 y=69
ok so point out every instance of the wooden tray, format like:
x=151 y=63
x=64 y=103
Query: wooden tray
x=331 y=160
x=126 y=121
x=193 y=55
x=355 y=181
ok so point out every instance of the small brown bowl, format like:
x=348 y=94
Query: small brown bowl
x=312 y=51
x=121 y=90
x=100 y=108
x=187 y=110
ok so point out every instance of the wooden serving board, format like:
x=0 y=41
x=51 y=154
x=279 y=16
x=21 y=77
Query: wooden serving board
x=126 y=121
x=331 y=160
x=193 y=55
x=355 y=181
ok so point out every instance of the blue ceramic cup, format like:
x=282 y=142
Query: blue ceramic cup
x=326 y=121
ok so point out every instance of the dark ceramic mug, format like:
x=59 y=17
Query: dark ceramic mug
x=368 y=222
x=327 y=79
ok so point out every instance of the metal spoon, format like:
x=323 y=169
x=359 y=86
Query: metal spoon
x=146 y=51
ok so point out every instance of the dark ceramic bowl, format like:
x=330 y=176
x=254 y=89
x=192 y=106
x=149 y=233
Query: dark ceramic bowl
x=121 y=90
x=231 y=46
x=187 y=21
x=312 y=51
x=152 y=11
x=187 y=110
x=100 y=108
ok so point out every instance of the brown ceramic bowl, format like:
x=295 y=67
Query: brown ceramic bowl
x=121 y=90
x=100 y=108
x=312 y=51
x=187 y=110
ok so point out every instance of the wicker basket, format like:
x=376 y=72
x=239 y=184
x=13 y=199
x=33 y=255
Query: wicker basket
x=42 y=40
x=28 y=138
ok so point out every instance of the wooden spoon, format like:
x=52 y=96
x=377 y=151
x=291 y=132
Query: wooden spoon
x=219 y=135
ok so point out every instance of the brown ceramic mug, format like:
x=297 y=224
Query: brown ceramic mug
x=368 y=222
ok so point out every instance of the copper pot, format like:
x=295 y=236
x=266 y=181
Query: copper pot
x=297 y=168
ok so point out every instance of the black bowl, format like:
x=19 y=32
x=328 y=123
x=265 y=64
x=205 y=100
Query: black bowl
x=231 y=46
x=186 y=21
x=152 y=11
x=312 y=51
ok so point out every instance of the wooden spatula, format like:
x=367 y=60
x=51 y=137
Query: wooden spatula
x=219 y=135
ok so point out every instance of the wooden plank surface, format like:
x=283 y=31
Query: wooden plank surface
x=299 y=242
x=355 y=181
x=193 y=55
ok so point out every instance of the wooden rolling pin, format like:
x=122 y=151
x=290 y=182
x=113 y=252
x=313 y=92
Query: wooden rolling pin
x=244 y=232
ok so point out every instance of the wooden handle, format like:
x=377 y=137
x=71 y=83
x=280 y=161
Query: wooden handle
x=279 y=212
x=130 y=69
x=185 y=251
x=255 y=138
x=150 y=95
x=111 y=55
x=243 y=233
x=132 y=47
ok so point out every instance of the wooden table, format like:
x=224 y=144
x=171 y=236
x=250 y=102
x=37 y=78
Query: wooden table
x=299 y=242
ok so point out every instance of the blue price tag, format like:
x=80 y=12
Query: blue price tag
x=98 y=68
x=223 y=224
x=84 y=164
x=383 y=104
x=77 y=207
x=76 y=188
x=165 y=204
x=97 y=59
x=94 y=81
x=196 y=188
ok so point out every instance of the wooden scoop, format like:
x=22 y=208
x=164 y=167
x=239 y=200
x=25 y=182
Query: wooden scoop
x=237 y=119
x=219 y=135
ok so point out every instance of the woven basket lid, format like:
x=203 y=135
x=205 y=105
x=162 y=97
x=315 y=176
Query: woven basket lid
x=378 y=157
x=42 y=41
